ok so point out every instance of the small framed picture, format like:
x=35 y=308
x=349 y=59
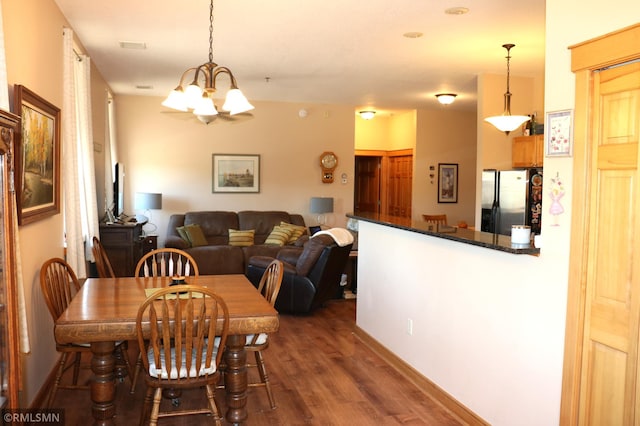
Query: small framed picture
x=558 y=131
x=447 y=183
x=236 y=173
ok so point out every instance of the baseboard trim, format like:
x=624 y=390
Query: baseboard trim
x=432 y=390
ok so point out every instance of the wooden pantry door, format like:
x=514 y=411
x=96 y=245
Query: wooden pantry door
x=600 y=383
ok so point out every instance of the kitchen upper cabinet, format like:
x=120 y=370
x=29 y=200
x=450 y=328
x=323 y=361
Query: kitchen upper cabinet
x=527 y=151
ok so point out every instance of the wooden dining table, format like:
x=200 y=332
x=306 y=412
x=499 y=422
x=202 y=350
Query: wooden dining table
x=105 y=309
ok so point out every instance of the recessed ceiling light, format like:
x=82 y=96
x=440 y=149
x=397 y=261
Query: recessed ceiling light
x=413 y=34
x=133 y=45
x=456 y=11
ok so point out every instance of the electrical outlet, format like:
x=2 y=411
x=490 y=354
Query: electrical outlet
x=409 y=326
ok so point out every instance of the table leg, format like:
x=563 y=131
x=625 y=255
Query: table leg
x=235 y=379
x=103 y=385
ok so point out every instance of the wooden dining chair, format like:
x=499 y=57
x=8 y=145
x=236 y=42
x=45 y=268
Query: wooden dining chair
x=182 y=332
x=103 y=265
x=269 y=287
x=59 y=285
x=167 y=262
x=438 y=219
x=163 y=262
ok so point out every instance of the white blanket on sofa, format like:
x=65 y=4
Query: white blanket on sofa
x=341 y=236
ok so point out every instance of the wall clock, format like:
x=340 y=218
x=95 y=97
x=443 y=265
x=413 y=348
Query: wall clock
x=328 y=163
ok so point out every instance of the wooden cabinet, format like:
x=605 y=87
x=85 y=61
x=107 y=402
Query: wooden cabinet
x=9 y=330
x=123 y=244
x=149 y=243
x=527 y=151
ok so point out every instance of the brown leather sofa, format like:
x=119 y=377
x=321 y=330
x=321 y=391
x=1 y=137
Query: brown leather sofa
x=218 y=257
x=311 y=276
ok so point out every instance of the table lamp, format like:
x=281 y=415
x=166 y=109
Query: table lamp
x=320 y=206
x=148 y=201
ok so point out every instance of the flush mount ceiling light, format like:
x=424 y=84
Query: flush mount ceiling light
x=507 y=122
x=446 y=98
x=200 y=100
x=367 y=115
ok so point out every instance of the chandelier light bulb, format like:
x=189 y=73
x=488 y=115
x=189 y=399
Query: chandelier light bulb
x=198 y=98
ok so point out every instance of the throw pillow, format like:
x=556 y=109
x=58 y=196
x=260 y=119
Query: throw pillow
x=195 y=235
x=278 y=236
x=183 y=234
x=296 y=231
x=242 y=238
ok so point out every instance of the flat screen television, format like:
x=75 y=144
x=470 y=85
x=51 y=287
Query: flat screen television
x=118 y=190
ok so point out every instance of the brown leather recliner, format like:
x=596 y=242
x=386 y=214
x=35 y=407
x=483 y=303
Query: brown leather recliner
x=311 y=277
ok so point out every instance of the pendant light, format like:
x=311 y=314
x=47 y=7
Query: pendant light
x=200 y=100
x=507 y=122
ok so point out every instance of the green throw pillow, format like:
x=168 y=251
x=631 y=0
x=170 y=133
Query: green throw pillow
x=242 y=238
x=296 y=231
x=278 y=236
x=183 y=234
x=195 y=235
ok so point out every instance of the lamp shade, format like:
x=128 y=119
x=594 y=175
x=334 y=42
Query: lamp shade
x=507 y=123
x=148 y=201
x=321 y=205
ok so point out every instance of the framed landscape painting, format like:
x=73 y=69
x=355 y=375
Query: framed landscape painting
x=37 y=178
x=447 y=183
x=236 y=173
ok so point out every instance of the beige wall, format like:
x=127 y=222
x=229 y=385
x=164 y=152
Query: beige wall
x=172 y=152
x=33 y=47
x=445 y=136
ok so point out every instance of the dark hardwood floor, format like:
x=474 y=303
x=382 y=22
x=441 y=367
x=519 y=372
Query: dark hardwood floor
x=321 y=374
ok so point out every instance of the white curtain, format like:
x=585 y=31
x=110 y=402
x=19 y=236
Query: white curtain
x=111 y=155
x=25 y=346
x=80 y=207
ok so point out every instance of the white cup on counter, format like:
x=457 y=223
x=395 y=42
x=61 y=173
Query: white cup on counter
x=520 y=234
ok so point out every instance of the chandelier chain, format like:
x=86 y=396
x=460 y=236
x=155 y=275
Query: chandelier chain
x=508 y=67
x=211 y=32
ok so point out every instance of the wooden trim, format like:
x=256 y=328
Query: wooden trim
x=613 y=48
x=369 y=153
x=383 y=154
x=574 y=332
x=424 y=384
x=400 y=152
x=610 y=49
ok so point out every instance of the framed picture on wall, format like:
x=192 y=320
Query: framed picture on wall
x=447 y=183
x=236 y=173
x=37 y=157
x=558 y=131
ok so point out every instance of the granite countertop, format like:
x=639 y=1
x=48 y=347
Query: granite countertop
x=453 y=233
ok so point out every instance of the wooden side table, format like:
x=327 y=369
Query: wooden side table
x=123 y=245
x=149 y=243
x=352 y=275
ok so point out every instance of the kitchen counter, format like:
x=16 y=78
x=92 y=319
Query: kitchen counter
x=461 y=235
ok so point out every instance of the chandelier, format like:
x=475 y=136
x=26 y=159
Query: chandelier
x=507 y=122
x=200 y=100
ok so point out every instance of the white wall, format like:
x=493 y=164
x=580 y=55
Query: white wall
x=494 y=322
x=486 y=327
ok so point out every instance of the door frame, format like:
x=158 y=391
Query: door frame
x=384 y=171
x=586 y=58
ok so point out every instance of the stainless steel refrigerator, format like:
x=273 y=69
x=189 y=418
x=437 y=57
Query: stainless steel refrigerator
x=511 y=197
